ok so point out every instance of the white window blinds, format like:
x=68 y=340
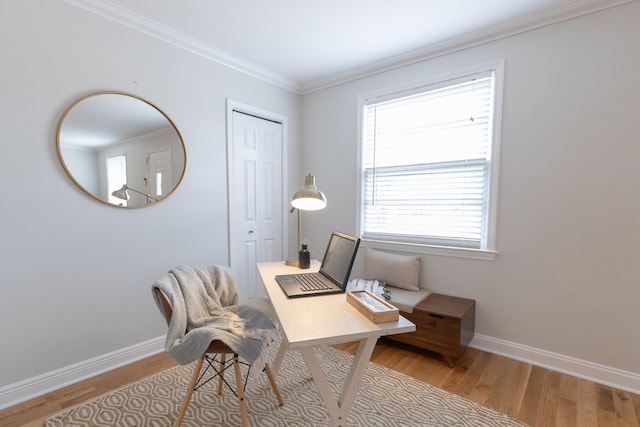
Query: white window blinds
x=426 y=163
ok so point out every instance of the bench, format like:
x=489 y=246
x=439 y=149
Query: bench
x=444 y=324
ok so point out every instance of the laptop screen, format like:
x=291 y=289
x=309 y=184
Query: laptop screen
x=339 y=257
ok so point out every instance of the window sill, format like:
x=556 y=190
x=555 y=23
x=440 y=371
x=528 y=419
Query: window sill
x=478 y=254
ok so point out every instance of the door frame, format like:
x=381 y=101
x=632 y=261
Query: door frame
x=233 y=105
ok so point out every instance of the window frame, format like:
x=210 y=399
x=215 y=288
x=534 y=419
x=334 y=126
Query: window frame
x=122 y=158
x=488 y=248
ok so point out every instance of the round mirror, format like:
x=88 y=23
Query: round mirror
x=121 y=149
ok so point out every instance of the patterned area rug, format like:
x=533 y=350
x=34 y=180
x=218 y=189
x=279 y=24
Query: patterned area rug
x=385 y=398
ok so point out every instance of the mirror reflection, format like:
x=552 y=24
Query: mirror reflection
x=121 y=149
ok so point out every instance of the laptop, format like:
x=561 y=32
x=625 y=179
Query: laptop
x=334 y=271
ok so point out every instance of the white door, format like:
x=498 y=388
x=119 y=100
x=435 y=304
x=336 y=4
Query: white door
x=255 y=198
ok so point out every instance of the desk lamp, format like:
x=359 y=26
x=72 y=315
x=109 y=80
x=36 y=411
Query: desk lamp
x=124 y=195
x=307 y=199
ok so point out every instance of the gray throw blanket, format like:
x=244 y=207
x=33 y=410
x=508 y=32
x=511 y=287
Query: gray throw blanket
x=204 y=304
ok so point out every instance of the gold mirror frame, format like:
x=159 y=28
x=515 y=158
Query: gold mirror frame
x=114 y=124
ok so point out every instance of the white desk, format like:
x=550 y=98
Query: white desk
x=319 y=320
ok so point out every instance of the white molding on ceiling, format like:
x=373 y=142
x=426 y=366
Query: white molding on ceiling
x=126 y=17
x=551 y=16
x=135 y=21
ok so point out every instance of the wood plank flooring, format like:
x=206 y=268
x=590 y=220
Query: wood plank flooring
x=34 y=412
x=535 y=395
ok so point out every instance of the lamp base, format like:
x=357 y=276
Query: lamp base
x=292 y=262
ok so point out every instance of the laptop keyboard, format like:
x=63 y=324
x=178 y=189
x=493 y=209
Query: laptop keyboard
x=310 y=282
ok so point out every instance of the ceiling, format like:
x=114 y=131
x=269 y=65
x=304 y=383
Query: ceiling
x=103 y=119
x=305 y=45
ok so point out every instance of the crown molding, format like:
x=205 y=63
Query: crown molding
x=531 y=22
x=135 y=21
x=123 y=16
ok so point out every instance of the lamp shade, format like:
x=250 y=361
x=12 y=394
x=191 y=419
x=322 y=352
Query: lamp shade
x=309 y=198
x=121 y=193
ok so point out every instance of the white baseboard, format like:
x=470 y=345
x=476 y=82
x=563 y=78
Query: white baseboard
x=600 y=374
x=33 y=387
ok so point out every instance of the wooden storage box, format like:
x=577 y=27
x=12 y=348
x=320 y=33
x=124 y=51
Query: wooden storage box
x=444 y=324
x=376 y=309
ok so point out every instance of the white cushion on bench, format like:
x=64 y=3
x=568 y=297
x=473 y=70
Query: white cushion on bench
x=403 y=299
x=407 y=300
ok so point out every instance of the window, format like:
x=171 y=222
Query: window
x=116 y=177
x=429 y=162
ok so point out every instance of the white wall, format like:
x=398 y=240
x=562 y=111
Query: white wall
x=565 y=279
x=75 y=274
x=83 y=164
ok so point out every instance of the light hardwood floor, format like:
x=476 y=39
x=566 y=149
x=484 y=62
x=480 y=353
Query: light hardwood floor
x=537 y=396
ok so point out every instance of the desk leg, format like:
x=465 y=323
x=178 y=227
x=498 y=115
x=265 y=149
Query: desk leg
x=277 y=362
x=338 y=409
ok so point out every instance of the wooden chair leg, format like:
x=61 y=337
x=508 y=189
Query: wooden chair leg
x=187 y=398
x=274 y=386
x=240 y=391
x=239 y=385
x=223 y=360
